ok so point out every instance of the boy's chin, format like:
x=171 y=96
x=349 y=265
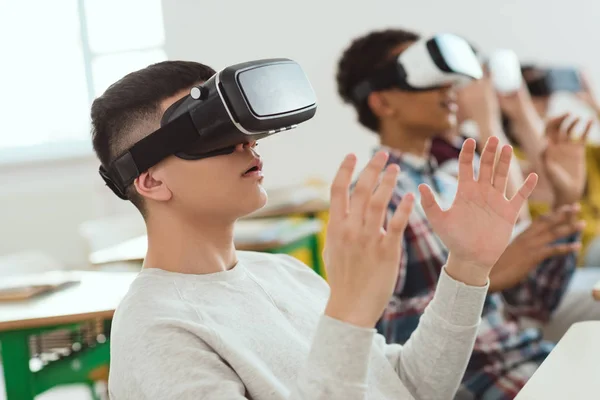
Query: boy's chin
x=255 y=202
x=262 y=198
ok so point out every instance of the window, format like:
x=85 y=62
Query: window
x=57 y=56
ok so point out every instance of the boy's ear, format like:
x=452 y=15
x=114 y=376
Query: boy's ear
x=151 y=186
x=379 y=104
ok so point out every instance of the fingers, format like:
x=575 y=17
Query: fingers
x=433 y=212
x=561 y=230
x=465 y=160
x=553 y=126
x=556 y=217
x=502 y=167
x=340 y=189
x=567 y=213
x=573 y=213
x=560 y=249
x=488 y=158
x=586 y=131
x=558 y=224
x=364 y=187
x=380 y=200
x=568 y=133
x=524 y=192
x=396 y=225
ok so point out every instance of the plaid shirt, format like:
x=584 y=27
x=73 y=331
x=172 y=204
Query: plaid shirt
x=501 y=344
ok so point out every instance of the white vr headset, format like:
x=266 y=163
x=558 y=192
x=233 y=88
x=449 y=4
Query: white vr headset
x=428 y=64
x=505 y=71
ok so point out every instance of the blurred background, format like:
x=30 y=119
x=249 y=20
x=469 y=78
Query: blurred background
x=57 y=56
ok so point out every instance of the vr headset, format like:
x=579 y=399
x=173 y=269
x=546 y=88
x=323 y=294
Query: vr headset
x=241 y=103
x=505 y=71
x=428 y=64
x=543 y=82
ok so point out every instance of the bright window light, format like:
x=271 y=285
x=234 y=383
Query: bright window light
x=57 y=56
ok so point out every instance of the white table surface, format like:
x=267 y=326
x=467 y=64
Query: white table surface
x=572 y=370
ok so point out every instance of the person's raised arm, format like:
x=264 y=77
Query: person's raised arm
x=476 y=229
x=527 y=127
x=480 y=103
x=362 y=261
x=563 y=159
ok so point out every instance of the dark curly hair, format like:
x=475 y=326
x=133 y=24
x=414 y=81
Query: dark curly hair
x=361 y=59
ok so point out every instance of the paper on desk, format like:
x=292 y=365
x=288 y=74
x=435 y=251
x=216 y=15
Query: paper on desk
x=51 y=278
x=277 y=229
x=23 y=287
x=246 y=232
x=290 y=196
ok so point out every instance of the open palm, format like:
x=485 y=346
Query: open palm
x=478 y=226
x=564 y=159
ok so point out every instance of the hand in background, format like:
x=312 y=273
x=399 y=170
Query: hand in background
x=478 y=226
x=362 y=258
x=563 y=160
x=478 y=102
x=587 y=94
x=534 y=245
x=518 y=105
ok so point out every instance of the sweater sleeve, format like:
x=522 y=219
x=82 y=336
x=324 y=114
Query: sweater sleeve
x=433 y=361
x=170 y=362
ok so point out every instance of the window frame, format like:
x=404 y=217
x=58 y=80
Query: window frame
x=67 y=150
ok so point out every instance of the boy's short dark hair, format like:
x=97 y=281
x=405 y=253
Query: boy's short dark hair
x=364 y=55
x=129 y=109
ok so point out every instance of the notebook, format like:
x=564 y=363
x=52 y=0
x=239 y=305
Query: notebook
x=284 y=230
x=24 y=287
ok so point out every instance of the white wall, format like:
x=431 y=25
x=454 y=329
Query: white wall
x=41 y=206
x=314 y=33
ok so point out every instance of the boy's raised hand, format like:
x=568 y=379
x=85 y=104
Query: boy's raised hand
x=478 y=226
x=362 y=258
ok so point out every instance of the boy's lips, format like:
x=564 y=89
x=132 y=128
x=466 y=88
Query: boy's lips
x=254 y=169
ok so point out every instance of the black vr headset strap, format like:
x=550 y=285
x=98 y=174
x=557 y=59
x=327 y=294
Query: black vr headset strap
x=146 y=153
x=390 y=75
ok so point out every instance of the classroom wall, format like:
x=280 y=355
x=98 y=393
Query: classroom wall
x=42 y=205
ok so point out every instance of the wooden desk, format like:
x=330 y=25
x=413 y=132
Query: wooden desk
x=301 y=242
x=95 y=298
x=572 y=370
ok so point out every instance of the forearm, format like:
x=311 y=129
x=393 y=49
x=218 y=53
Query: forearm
x=515 y=174
x=468 y=274
x=430 y=365
x=502 y=280
x=434 y=359
x=538 y=295
x=338 y=363
x=529 y=132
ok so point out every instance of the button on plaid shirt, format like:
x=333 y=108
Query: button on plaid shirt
x=501 y=345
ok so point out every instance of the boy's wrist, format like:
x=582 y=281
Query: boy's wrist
x=343 y=311
x=467 y=272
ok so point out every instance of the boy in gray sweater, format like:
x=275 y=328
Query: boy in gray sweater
x=204 y=321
